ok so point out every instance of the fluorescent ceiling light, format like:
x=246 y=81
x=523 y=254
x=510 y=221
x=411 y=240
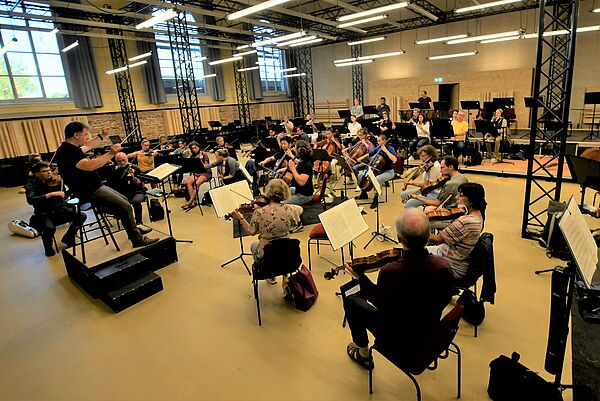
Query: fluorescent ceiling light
x=362 y=21
x=420 y=10
x=452 y=55
x=353 y=63
x=442 y=39
x=372 y=11
x=294 y=75
x=291 y=42
x=500 y=39
x=380 y=55
x=254 y=9
x=200 y=58
x=588 y=28
x=157 y=19
x=246 y=53
x=242 y=47
x=137 y=64
x=360 y=42
x=287 y=69
x=11 y=43
x=308 y=42
x=279 y=39
x=483 y=37
x=50 y=34
x=581 y=29
x=225 y=60
x=139 y=57
x=596 y=10
x=207 y=76
x=345 y=60
x=486 y=5
x=248 y=69
x=71 y=46
x=120 y=69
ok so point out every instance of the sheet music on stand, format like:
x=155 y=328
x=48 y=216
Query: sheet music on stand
x=229 y=197
x=580 y=241
x=376 y=184
x=164 y=171
x=343 y=223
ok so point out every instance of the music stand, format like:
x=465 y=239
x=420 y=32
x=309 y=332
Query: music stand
x=406 y=131
x=370 y=110
x=341 y=161
x=320 y=126
x=215 y=125
x=441 y=106
x=345 y=114
x=469 y=105
x=441 y=128
x=503 y=102
x=377 y=189
x=592 y=98
x=414 y=105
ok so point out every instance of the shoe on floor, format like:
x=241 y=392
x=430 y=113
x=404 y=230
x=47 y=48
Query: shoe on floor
x=363 y=195
x=271 y=281
x=50 y=252
x=143 y=242
x=143 y=229
x=357 y=189
x=354 y=354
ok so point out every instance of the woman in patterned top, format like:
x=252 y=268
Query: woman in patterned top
x=458 y=239
x=270 y=222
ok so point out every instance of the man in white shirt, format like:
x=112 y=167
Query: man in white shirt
x=353 y=126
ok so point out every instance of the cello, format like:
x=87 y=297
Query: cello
x=377 y=163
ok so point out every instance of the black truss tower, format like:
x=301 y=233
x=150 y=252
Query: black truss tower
x=118 y=54
x=187 y=96
x=304 y=98
x=357 y=74
x=550 y=114
x=241 y=92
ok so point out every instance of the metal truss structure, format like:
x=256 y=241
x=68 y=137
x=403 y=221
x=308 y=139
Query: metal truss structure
x=241 y=93
x=304 y=97
x=187 y=95
x=357 y=74
x=550 y=114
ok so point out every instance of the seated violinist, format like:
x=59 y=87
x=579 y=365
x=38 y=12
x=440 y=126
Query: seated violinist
x=301 y=170
x=144 y=156
x=449 y=182
x=227 y=167
x=457 y=240
x=221 y=144
x=279 y=160
x=382 y=163
x=194 y=181
x=50 y=207
x=431 y=172
x=182 y=149
x=123 y=180
x=299 y=134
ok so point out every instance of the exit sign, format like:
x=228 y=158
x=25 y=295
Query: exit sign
x=438 y=80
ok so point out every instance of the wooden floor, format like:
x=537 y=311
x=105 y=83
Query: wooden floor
x=199 y=338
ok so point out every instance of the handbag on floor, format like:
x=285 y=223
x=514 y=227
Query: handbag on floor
x=301 y=291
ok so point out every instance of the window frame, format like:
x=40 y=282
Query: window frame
x=268 y=53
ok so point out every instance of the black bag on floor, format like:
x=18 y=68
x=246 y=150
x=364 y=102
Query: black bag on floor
x=206 y=199
x=156 y=210
x=512 y=381
x=474 y=311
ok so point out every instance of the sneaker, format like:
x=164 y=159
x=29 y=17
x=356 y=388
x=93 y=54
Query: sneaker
x=144 y=241
x=297 y=229
x=143 y=229
x=271 y=281
x=357 y=189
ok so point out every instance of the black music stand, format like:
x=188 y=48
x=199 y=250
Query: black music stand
x=406 y=132
x=341 y=161
x=376 y=233
x=441 y=106
x=585 y=172
x=345 y=114
x=193 y=166
x=414 y=105
x=441 y=128
x=469 y=105
x=239 y=232
x=320 y=126
x=370 y=110
x=215 y=125
x=592 y=98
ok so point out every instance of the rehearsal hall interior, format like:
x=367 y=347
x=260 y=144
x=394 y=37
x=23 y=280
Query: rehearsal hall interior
x=246 y=200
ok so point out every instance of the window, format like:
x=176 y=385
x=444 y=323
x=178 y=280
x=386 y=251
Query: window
x=270 y=60
x=165 y=60
x=33 y=68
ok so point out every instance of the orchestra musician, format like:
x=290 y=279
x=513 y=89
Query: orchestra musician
x=257 y=154
x=449 y=170
x=381 y=107
x=221 y=144
x=311 y=122
x=123 y=180
x=425 y=101
x=414 y=119
x=360 y=148
x=427 y=153
x=460 y=128
x=386 y=173
x=422 y=138
x=407 y=302
x=500 y=125
x=182 y=149
x=144 y=156
x=357 y=110
x=457 y=240
x=331 y=145
x=79 y=174
x=288 y=126
x=163 y=142
x=194 y=181
x=280 y=158
x=301 y=170
x=50 y=208
x=299 y=134
x=227 y=167
x=353 y=126
x=385 y=124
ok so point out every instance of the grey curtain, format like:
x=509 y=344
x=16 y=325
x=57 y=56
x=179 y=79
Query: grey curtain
x=290 y=88
x=216 y=85
x=255 y=89
x=81 y=71
x=151 y=72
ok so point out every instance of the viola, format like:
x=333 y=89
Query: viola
x=446 y=214
x=417 y=171
x=368 y=263
x=433 y=185
x=248 y=208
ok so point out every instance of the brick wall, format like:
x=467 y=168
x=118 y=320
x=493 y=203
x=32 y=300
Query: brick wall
x=152 y=124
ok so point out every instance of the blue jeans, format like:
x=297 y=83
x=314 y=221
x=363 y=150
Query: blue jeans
x=297 y=199
x=416 y=143
x=383 y=177
x=411 y=203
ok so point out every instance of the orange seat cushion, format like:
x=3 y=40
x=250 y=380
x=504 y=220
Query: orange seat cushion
x=317 y=232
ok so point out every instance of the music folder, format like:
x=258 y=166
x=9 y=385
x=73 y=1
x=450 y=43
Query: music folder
x=163 y=171
x=229 y=197
x=343 y=223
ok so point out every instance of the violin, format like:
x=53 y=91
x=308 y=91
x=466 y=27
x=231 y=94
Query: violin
x=446 y=214
x=248 y=208
x=433 y=185
x=368 y=263
x=417 y=171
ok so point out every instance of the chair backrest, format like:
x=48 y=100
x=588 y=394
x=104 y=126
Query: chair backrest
x=480 y=258
x=280 y=257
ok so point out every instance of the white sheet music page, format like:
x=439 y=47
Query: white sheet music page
x=376 y=184
x=246 y=174
x=580 y=241
x=343 y=223
x=229 y=197
x=164 y=170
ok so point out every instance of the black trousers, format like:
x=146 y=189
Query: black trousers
x=118 y=205
x=362 y=316
x=47 y=223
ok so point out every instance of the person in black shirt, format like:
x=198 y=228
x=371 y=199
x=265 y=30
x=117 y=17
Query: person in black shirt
x=302 y=172
x=281 y=157
x=382 y=107
x=123 y=180
x=79 y=174
x=257 y=155
x=425 y=101
x=50 y=207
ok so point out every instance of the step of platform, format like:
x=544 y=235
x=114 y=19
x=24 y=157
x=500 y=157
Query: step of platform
x=134 y=292
x=119 y=272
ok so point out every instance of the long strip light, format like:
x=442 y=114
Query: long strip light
x=248 y=69
x=363 y=21
x=139 y=63
x=71 y=46
x=444 y=56
x=381 y=55
x=372 y=11
x=11 y=43
x=442 y=39
x=360 y=42
x=500 y=39
x=353 y=63
x=286 y=70
x=279 y=39
x=345 y=60
x=242 y=47
x=294 y=41
x=200 y=58
x=254 y=9
x=420 y=10
x=246 y=53
x=596 y=10
x=225 y=60
x=483 y=37
x=308 y=42
x=207 y=76
x=581 y=29
x=50 y=34
x=140 y=56
x=486 y=5
x=157 y=19
x=294 y=75
x=120 y=69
